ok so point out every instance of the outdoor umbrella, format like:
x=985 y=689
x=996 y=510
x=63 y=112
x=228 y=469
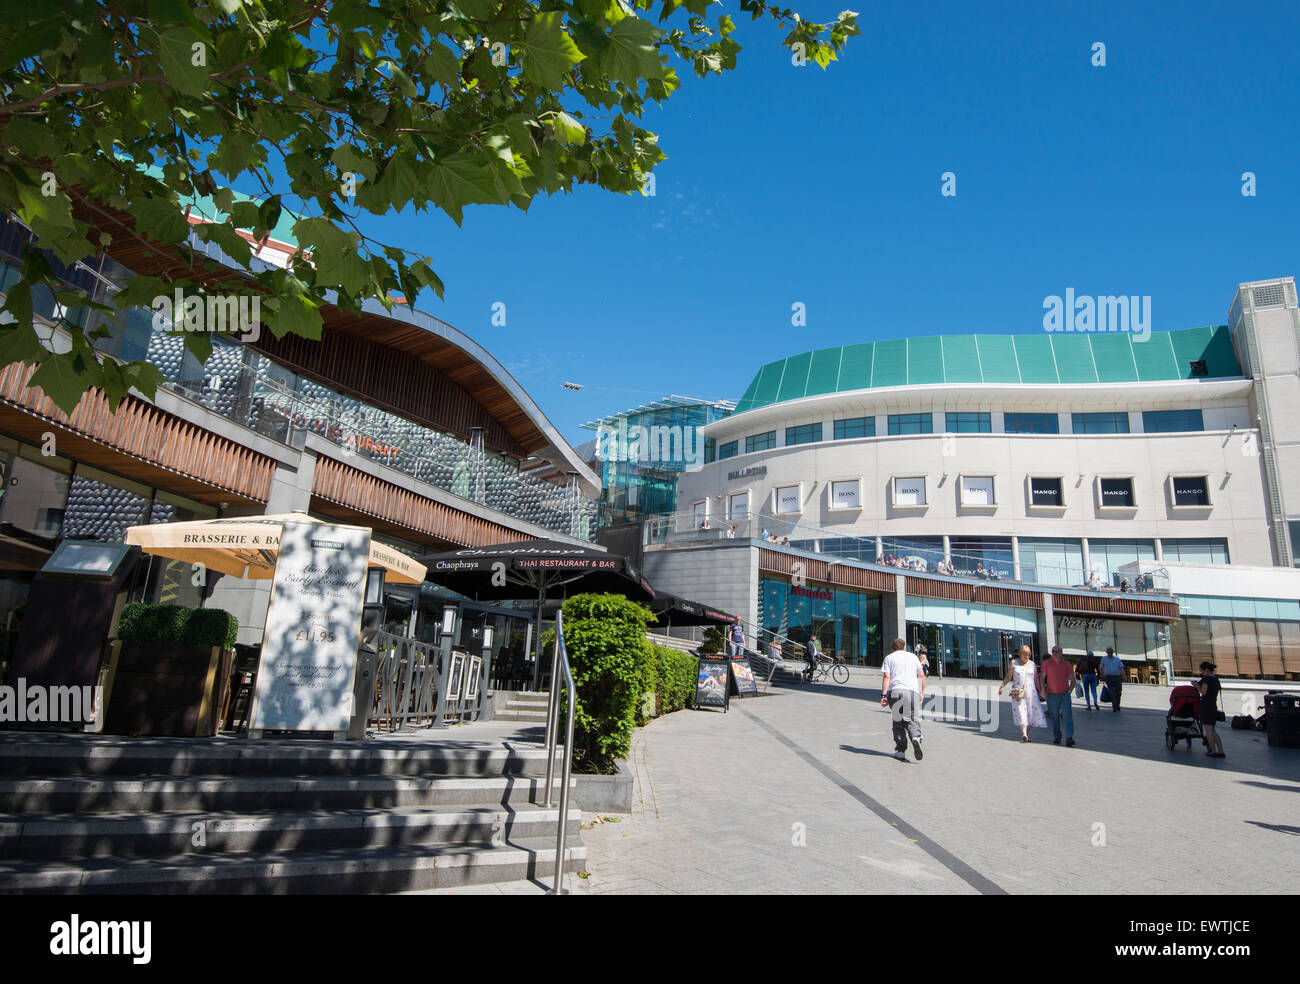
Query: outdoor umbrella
x=247 y=546
x=534 y=569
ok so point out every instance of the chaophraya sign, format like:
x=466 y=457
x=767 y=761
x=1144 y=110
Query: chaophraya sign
x=313 y=630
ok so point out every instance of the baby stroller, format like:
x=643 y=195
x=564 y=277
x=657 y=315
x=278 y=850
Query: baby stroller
x=1183 y=722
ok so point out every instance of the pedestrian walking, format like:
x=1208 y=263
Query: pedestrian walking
x=811 y=654
x=1056 y=680
x=1112 y=672
x=1088 y=677
x=1210 y=689
x=737 y=639
x=1026 y=711
x=901 y=690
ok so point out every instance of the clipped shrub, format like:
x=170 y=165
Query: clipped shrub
x=715 y=640
x=678 y=674
x=604 y=636
x=176 y=625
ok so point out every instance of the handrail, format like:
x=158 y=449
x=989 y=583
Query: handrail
x=560 y=661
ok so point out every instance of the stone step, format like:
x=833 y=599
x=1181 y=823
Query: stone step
x=80 y=794
x=527 y=717
x=533 y=707
x=333 y=872
x=88 y=835
x=30 y=755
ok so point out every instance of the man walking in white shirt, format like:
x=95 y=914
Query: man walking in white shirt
x=901 y=691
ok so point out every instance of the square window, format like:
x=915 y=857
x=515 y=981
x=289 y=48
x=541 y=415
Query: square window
x=909 y=492
x=1116 y=493
x=1190 y=490
x=789 y=499
x=977 y=490
x=738 y=506
x=1045 y=491
x=846 y=494
x=728 y=450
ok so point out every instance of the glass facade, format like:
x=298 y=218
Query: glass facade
x=1051 y=561
x=910 y=423
x=845 y=623
x=971 y=640
x=968 y=423
x=1031 y=423
x=1106 y=557
x=644 y=452
x=1244 y=637
x=803 y=434
x=993 y=552
x=1195 y=551
x=1099 y=423
x=1169 y=421
x=855 y=427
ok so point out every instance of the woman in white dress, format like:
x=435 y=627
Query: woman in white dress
x=1027 y=712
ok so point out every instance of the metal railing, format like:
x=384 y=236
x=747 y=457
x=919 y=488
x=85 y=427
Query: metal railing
x=679 y=527
x=405 y=682
x=560 y=661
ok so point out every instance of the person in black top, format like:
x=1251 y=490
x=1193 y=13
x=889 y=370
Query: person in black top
x=1210 y=687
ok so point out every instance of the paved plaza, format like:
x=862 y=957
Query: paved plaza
x=797 y=792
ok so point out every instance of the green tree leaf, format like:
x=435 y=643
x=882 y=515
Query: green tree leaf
x=548 y=52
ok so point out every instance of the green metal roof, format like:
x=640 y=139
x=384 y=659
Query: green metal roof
x=1062 y=358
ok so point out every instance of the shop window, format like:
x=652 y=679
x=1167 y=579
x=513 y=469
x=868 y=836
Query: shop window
x=101 y=506
x=977 y=491
x=788 y=499
x=33 y=495
x=1115 y=493
x=909 y=492
x=1045 y=492
x=738 y=507
x=1190 y=490
x=846 y=494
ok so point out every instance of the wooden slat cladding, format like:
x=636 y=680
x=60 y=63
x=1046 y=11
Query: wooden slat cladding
x=1115 y=605
x=433 y=521
x=776 y=562
x=392 y=379
x=161 y=447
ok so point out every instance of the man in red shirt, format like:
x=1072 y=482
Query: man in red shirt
x=1056 y=680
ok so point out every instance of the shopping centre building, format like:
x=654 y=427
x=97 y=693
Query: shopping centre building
x=393 y=420
x=977 y=492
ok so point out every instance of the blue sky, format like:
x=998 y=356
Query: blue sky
x=787 y=185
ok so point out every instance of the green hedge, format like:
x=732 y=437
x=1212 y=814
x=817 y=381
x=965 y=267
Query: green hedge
x=668 y=683
x=174 y=625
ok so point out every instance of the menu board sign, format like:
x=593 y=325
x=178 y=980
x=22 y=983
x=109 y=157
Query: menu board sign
x=711 y=687
x=742 y=676
x=313 y=629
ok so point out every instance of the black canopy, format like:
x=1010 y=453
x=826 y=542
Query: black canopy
x=534 y=570
x=675 y=610
x=530 y=569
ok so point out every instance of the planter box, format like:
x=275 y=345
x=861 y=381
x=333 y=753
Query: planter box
x=172 y=691
x=605 y=794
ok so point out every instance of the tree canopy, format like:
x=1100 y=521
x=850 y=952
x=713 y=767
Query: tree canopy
x=326 y=110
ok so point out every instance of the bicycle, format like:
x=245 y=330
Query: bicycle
x=834 y=667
